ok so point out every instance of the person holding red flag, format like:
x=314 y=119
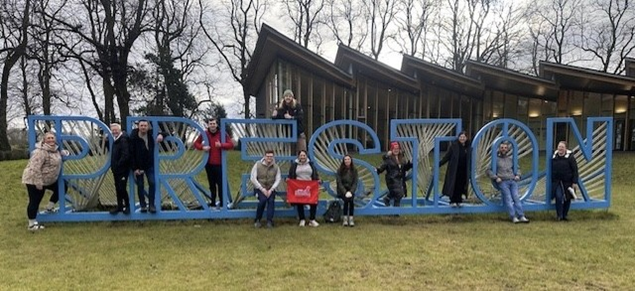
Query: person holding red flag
x=303 y=169
x=213 y=168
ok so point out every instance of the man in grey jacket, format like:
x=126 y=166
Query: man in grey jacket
x=265 y=176
x=507 y=180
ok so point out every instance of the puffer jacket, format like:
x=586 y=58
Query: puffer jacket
x=395 y=173
x=43 y=168
x=346 y=181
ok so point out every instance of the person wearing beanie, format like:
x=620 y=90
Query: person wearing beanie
x=396 y=167
x=290 y=109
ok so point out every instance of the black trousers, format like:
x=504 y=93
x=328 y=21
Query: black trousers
x=349 y=206
x=312 y=211
x=121 y=187
x=35 y=197
x=215 y=179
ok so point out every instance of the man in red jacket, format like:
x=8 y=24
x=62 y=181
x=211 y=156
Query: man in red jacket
x=213 y=167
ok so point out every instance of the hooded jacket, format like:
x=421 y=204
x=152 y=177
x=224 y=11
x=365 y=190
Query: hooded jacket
x=395 y=173
x=564 y=169
x=215 y=153
x=43 y=168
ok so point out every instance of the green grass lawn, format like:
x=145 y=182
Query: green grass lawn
x=594 y=251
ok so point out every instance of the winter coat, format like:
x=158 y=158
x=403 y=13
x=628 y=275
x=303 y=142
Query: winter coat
x=142 y=157
x=296 y=112
x=120 y=156
x=395 y=173
x=215 y=153
x=452 y=156
x=43 y=168
x=294 y=166
x=346 y=181
x=564 y=171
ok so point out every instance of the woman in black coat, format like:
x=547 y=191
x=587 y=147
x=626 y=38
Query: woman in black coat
x=457 y=174
x=396 y=167
x=290 y=109
x=564 y=179
x=346 y=179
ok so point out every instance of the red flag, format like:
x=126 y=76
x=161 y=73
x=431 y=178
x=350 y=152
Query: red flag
x=303 y=192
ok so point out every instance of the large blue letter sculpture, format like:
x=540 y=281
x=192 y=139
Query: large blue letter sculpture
x=182 y=195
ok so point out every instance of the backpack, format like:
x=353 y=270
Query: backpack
x=333 y=212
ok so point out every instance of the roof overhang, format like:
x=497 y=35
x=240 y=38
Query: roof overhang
x=272 y=45
x=436 y=75
x=582 y=79
x=509 y=81
x=353 y=62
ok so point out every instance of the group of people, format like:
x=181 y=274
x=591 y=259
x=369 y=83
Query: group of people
x=135 y=152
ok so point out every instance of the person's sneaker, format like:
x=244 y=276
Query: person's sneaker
x=314 y=223
x=351 y=221
x=152 y=209
x=126 y=210
x=257 y=224
x=523 y=219
x=269 y=224
x=345 y=221
x=386 y=201
x=49 y=211
x=565 y=219
x=459 y=205
x=143 y=209
x=302 y=223
x=35 y=227
x=515 y=220
x=114 y=211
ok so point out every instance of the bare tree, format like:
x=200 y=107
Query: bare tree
x=14 y=25
x=306 y=17
x=504 y=43
x=108 y=30
x=554 y=22
x=413 y=24
x=231 y=31
x=346 y=23
x=379 y=15
x=610 y=33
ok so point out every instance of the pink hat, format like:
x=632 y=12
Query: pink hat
x=394 y=145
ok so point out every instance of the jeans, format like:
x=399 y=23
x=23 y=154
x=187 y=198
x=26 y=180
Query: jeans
x=509 y=190
x=312 y=211
x=562 y=203
x=349 y=206
x=265 y=201
x=121 y=184
x=215 y=180
x=140 y=187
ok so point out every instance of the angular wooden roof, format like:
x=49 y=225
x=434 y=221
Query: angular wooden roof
x=353 y=62
x=583 y=79
x=440 y=76
x=510 y=81
x=272 y=45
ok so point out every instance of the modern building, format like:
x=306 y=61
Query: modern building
x=358 y=87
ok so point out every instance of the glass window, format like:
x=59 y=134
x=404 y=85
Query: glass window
x=511 y=106
x=592 y=102
x=497 y=105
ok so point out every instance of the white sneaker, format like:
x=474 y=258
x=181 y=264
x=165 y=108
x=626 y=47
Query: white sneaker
x=302 y=223
x=351 y=221
x=345 y=221
x=35 y=227
x=515 y=220
x=314 y=223
x=524 y=219
x=49 y=211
